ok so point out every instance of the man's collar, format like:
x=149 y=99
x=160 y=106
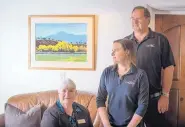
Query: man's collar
x=151 y=34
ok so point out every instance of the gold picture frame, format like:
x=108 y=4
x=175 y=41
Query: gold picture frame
x=61 y=42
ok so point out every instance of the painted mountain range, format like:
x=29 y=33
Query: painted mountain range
x=63 y=36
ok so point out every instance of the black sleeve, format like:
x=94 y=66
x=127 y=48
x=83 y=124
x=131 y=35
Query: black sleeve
x=143 y=97
x=102 y=92
x=49 y=120
x=166 y=53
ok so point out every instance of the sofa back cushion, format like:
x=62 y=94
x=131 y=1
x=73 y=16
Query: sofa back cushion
x=47 y=98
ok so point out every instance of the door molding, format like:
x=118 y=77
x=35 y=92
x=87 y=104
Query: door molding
x=163 y=9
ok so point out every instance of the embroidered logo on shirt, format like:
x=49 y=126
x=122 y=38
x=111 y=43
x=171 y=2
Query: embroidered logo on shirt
x=130 y=82
x=150 y=45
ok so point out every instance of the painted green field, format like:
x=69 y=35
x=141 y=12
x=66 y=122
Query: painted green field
x=62 y=57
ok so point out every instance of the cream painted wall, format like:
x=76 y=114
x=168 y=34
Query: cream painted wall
x=15 y=78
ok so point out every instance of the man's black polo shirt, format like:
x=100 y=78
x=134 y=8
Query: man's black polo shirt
x=153 y=54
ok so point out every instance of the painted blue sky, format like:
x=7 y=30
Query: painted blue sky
x=46 y=29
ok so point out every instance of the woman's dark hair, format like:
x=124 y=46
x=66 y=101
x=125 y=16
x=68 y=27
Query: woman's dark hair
x=128 y=45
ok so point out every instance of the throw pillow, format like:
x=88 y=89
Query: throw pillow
x=14 y=117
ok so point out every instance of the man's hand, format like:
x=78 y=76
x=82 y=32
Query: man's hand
x=163 y=104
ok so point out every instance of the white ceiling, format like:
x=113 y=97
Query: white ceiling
x=175 y=5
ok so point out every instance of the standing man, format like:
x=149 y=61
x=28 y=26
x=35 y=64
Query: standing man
x=153 y=54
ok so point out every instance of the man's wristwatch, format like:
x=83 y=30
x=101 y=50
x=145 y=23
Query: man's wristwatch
x=165 y=94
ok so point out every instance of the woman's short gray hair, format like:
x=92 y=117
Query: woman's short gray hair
x=67 y=82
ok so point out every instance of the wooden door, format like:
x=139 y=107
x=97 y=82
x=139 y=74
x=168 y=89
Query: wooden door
x=173 y=26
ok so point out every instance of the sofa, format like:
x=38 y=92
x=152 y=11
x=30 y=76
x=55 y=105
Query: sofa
x=47 y=98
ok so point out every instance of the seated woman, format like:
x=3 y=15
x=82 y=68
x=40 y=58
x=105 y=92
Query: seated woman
x=65 y=112
x=126 y=87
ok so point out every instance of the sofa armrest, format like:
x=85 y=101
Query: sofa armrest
x=2 y=120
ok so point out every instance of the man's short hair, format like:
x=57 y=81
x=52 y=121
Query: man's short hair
x=146 y=11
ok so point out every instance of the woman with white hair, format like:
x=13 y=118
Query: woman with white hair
x=65 y=112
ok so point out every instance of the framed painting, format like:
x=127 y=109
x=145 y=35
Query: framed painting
x=61 y=42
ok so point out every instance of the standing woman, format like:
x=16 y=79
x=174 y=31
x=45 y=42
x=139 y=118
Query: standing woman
x=126 y=87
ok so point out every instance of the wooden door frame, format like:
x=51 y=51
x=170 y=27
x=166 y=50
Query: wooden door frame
x=154 y=11
x=180 y=93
